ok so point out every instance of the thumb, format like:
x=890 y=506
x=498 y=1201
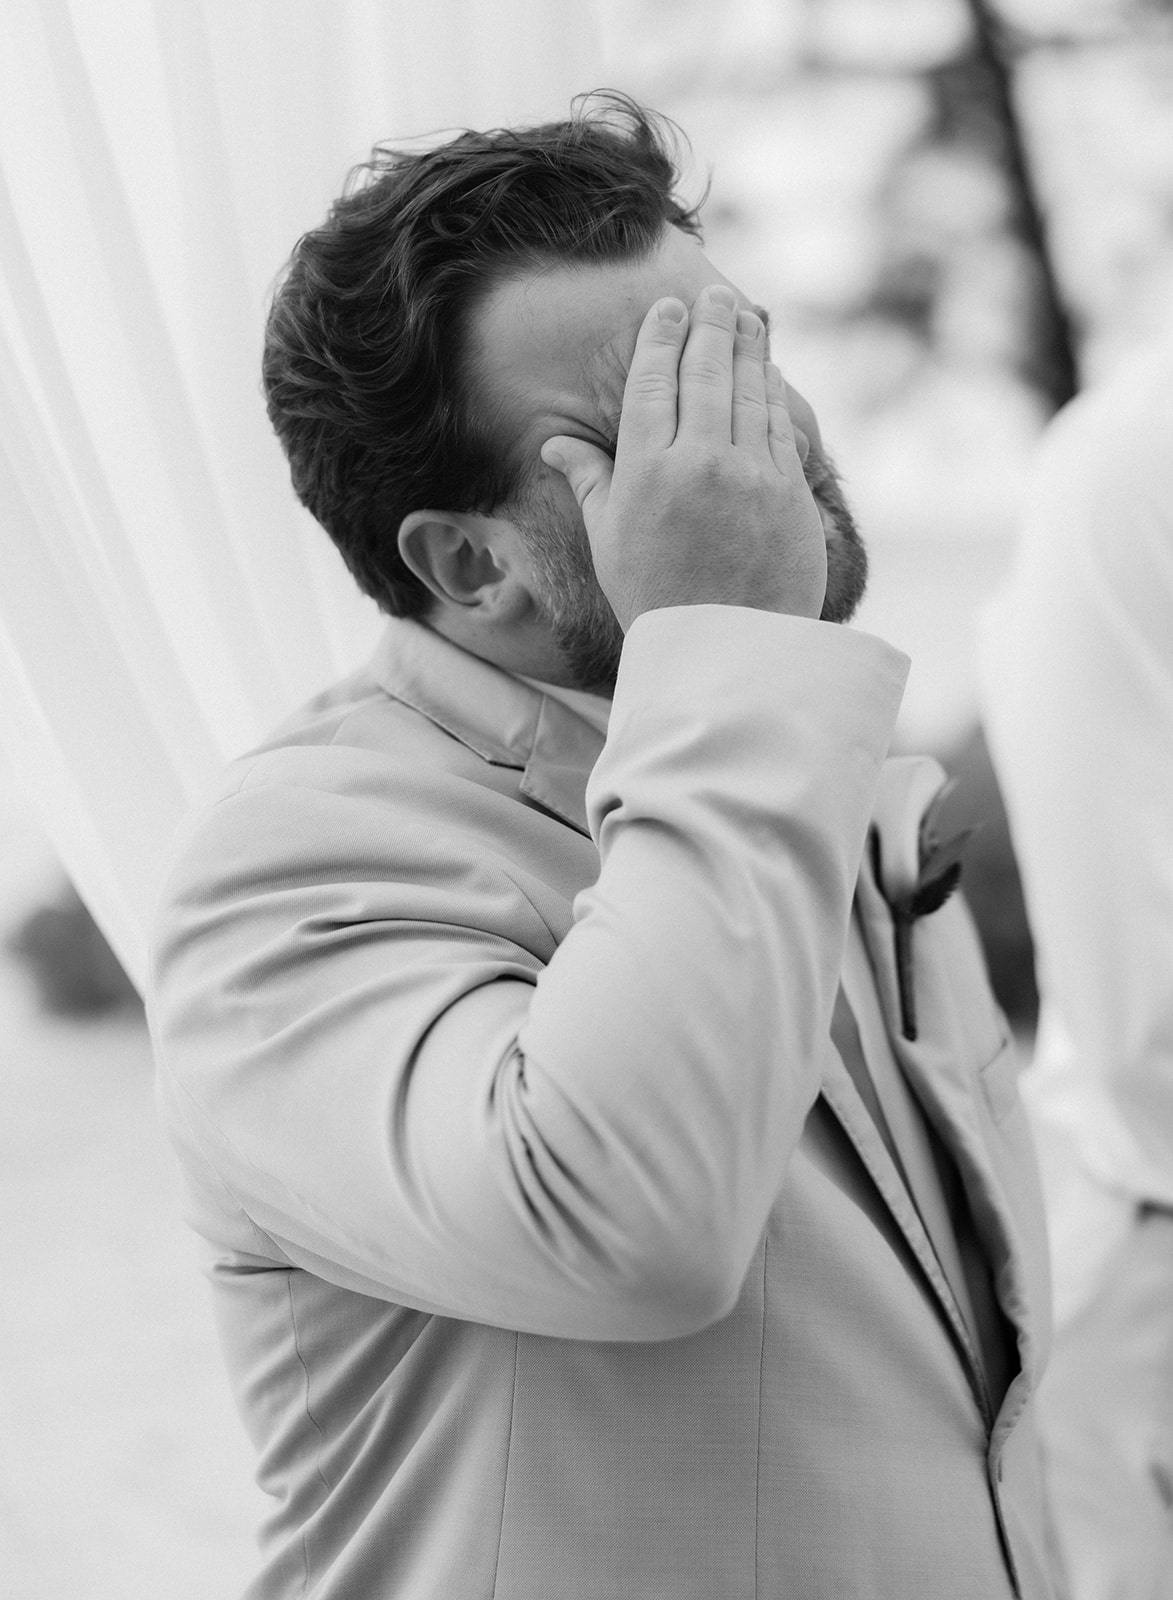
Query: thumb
x=587 y=470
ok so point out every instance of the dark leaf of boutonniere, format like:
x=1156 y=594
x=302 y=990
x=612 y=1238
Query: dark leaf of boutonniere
x=939 y=875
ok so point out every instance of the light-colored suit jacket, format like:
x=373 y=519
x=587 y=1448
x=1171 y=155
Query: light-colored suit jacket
x=555 y=1253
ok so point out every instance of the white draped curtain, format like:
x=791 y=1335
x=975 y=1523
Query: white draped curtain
x=163 y=598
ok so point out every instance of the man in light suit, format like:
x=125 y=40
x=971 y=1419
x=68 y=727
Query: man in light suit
x=606 y=1144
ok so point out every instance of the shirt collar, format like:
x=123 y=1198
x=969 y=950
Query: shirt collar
x=592 y=708
x=507 y=720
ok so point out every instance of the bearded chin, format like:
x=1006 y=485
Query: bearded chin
x=585 y=629
x=573 y=606
x=847 y=556
x=847 y=572
x=847 y=579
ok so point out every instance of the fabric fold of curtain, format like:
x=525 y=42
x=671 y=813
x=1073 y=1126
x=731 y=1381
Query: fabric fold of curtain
x=163 y=598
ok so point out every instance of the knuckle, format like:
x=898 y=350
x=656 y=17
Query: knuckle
x=749 y=400
x=650 y=385
x=704 y=367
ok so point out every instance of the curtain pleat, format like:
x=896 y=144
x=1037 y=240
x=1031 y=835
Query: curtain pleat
x=163 y=598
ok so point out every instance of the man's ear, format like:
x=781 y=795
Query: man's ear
x=464 y=559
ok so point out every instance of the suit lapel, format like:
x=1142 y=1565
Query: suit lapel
x=844 y=1099
x=945 y=1083
x=943 y=1065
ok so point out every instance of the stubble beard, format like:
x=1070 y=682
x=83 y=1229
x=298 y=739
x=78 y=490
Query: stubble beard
x=578 y=614
x=585 y=629
x=847 y=555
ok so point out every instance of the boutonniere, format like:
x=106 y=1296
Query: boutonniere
x=938 y=874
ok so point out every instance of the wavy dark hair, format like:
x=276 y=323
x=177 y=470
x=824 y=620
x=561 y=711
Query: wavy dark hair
x=364 y=368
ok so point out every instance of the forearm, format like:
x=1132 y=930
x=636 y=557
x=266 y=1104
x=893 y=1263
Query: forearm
x=681 y=1027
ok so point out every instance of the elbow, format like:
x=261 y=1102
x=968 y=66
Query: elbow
x=705 y=1306
x=689 y=1284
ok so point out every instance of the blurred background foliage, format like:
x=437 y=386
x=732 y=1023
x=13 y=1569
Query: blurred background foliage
x=959 y=212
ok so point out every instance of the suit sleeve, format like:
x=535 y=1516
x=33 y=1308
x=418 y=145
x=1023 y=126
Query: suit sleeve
x=370 y=1037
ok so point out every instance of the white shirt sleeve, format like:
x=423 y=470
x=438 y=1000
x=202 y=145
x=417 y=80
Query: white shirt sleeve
x=1077 y=674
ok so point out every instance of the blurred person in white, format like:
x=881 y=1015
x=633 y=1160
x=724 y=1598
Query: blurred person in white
x=606 y=1142
x=1078 y=691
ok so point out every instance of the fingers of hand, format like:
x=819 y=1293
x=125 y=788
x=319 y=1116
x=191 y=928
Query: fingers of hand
x=649 y=416
x=586 y=468
x=784 y=447
x=804 y=421
x=706 y=367
x=750 y=426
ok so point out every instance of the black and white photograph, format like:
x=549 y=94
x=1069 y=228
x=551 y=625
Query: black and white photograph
x=586 y=800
